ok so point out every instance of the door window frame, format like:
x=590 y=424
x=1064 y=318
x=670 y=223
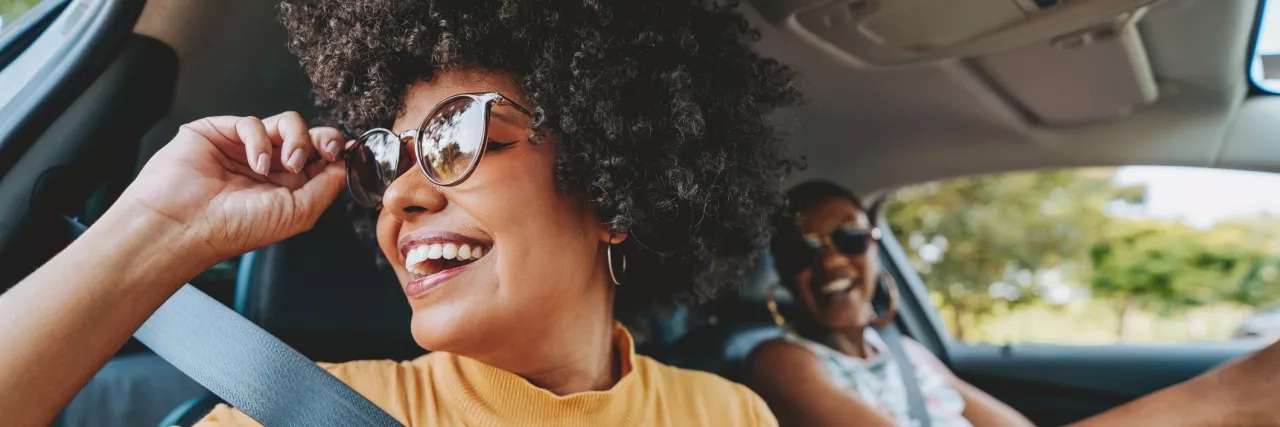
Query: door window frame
x=84 y=36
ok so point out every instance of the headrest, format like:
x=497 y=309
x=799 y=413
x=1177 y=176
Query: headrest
x=736 y=326
x=762 y=277
x=722 y=349
x=749 y=305
x=323 y=293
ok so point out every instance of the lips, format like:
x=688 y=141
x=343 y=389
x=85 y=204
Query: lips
x=431 y=258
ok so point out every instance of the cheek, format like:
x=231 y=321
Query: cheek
x=520 y=199
x=543 y=238
x=872 y=261
x=388 y=232
x=805 y=292
x=802 y=280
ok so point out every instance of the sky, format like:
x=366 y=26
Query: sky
x=1201 y=196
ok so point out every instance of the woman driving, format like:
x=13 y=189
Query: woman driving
x=832 y=368
x=535 y=168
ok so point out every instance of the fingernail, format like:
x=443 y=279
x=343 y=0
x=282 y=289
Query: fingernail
x=332 y=148
x=263 y=165
x=296 y=160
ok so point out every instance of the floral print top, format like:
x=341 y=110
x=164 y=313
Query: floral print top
x=877 y=381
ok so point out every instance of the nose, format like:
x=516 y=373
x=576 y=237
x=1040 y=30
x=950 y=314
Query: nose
x=411 y=195
x=833 y=260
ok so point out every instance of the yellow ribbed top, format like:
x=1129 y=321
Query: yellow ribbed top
x=442 y=389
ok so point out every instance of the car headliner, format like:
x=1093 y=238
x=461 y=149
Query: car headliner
x=869 y=129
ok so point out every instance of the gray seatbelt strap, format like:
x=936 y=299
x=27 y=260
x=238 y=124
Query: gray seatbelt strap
x=249 y=368
x=915 y=398
x=893 y=339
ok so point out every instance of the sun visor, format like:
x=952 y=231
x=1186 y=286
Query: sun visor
x=1088 y=76
x=896 y=33
x=1060 y=62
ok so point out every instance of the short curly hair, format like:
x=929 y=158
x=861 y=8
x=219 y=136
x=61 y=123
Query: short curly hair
x=660 y=107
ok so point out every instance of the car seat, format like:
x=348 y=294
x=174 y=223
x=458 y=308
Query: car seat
x=323 y=293
x=735 y=326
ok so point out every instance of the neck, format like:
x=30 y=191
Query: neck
x=572 y=352
x=593 y=364
x=850 y=341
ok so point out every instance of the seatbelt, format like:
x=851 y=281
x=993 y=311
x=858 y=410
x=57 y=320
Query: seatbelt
x=893 y=339
x=248 y=367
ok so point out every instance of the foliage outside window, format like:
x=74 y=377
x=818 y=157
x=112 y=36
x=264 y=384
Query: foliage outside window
x=10 y=10
x=1084 y=257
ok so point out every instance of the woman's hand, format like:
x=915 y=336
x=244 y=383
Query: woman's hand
x=196 y=202
x=235 y=184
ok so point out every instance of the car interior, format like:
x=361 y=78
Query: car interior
x=898 y=92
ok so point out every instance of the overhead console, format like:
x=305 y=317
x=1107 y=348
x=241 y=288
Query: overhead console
x=1060 y=62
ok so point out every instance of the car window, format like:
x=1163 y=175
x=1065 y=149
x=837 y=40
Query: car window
x=33 y=56
x=1097 y=256
x=11 y=10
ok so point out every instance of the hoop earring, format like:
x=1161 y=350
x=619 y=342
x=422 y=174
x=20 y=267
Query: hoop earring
x=613 y=276
x=772 y=304
x=890 y=313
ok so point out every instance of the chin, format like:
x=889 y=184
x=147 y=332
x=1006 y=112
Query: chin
x=440 y=329
x=449 y=321
x=844 y=319
x=840 y=324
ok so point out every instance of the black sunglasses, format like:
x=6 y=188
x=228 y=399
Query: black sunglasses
x=449 y=144
x=849 y=240
x=793 y=252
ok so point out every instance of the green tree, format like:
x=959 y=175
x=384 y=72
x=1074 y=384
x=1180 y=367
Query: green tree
x=1255 y=243
x=10 y=10
x=990 y=242
x=1164 y=267
x=985 y=242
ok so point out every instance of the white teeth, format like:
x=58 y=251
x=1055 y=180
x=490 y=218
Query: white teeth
x=450 y=251
x=415 y=256
x=460 y=251
x=435 y=252
x=839 y=285
x=464 y=252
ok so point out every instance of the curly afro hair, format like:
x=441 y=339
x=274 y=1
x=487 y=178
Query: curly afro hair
x=660 y=107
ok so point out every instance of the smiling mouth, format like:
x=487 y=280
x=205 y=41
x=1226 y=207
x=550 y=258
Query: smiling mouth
x=838 y=286
x=428 y=259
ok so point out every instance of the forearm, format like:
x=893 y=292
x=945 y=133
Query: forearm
x=1191 y=403
x=983 y=410
x=65 y=320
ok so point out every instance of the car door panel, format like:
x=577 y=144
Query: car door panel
x=57 y=66
x=1057 y=384
x=91 y=146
